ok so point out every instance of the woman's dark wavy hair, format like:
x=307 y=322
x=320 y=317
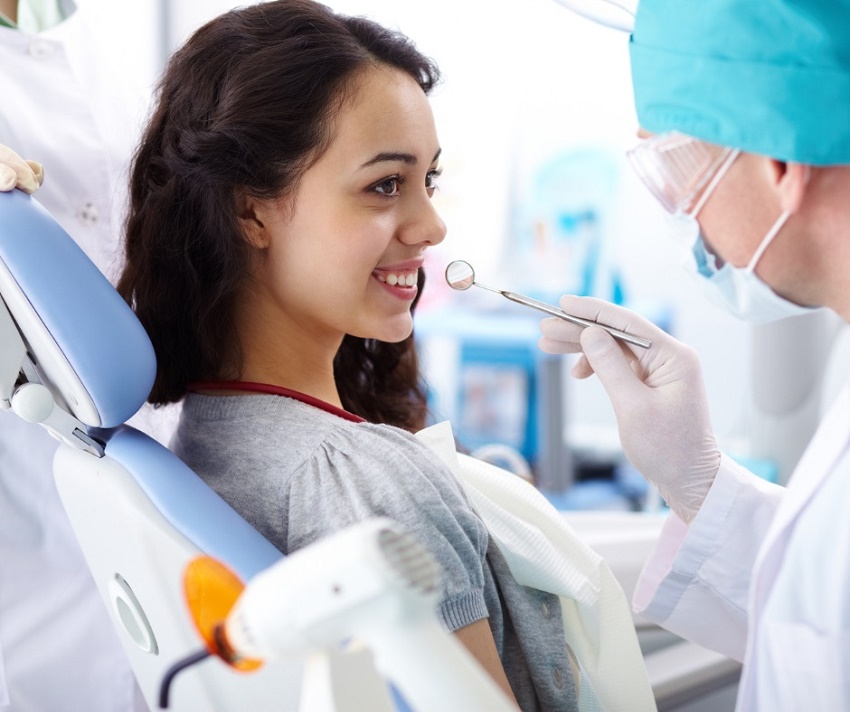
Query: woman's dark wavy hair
x=245 y=107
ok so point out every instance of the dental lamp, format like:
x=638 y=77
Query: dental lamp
x=372 y=583
x=617 y=14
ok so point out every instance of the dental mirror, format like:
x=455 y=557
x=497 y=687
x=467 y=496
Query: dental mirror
x=461 y=276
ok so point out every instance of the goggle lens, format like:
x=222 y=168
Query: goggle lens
x=677 y=169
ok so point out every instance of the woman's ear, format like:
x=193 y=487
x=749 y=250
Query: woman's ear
x=249 y=211
x=792 y=181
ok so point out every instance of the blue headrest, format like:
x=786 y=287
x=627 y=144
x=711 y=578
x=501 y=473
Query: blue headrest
x=190 y=505
x=90 y=348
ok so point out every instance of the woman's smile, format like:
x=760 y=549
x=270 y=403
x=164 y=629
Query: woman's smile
x=399 y=279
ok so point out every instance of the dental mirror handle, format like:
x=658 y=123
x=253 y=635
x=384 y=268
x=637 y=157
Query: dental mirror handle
x=554 y=311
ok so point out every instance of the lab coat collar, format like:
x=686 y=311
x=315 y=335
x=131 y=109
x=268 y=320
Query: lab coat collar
x=818 y=461
x=38 y=15
x=66 y=8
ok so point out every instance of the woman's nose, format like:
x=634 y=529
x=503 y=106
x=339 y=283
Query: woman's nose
x=424 y=226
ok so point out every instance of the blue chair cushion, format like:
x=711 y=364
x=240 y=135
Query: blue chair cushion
x=189 y=504
x=95 y=330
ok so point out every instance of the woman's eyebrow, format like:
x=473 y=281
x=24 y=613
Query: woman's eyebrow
x=406 y=158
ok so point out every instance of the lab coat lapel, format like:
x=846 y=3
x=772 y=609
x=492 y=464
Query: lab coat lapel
x=826 y=448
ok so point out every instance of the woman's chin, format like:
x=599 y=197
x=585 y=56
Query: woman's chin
x=396 y=331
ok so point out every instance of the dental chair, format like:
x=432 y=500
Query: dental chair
x=74 y=358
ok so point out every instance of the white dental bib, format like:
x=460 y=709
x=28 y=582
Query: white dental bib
x=544 y=552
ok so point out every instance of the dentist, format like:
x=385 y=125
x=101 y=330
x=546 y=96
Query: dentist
x=745 y=109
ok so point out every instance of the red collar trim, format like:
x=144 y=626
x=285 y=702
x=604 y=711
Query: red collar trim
x=275 y=391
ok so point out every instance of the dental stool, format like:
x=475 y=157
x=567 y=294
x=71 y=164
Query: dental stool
x=74 y=358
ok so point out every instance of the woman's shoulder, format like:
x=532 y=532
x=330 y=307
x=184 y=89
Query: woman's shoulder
x=265 y=432
x=365 y=470
x=380 y=454
x=297 y=436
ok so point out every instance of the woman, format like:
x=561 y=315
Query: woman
x=280 y=212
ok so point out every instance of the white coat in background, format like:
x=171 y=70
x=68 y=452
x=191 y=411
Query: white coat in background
x=59 y=107
x=763 y=576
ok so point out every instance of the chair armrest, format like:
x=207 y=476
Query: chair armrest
x=685 y=671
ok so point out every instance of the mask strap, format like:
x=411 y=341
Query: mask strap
x=765 y=243
x=709 y=189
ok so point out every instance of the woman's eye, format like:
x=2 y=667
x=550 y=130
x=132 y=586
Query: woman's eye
x=431 y=179
x=388 y=187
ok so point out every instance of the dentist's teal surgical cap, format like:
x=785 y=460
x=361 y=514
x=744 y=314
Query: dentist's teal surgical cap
x=765 y=76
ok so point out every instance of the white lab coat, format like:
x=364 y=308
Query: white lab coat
x=763 y=575
x=59 y=649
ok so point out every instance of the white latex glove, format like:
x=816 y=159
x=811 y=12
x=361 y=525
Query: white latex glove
x=657 y=394
x=15 y=172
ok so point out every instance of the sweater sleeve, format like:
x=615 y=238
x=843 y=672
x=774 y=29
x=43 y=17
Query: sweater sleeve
x=371 y=470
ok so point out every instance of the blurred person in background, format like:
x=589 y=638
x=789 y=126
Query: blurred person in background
x=59 y=104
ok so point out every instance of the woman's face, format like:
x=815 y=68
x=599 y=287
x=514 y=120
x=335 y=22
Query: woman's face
x=341 y=257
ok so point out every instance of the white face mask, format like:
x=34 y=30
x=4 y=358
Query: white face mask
x=739 y=289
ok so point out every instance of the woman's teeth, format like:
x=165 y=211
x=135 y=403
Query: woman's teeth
x=407 y=279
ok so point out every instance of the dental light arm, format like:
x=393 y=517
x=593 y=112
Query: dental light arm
x=616 y=14
x=372 y=582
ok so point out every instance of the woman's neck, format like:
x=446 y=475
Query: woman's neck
x=279 y=350
x=280 y=358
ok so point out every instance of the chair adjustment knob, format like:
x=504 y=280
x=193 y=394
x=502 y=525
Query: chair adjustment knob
x=33 y=402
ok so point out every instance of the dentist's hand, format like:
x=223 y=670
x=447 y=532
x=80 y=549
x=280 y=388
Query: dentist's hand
x=15 y=172
x=657 y=394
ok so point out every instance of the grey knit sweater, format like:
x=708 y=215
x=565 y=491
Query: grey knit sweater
x=298 y=473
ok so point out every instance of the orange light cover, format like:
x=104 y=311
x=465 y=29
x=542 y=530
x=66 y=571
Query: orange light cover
x=211 y=590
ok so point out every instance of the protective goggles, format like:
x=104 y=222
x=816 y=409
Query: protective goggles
x=680 y=171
